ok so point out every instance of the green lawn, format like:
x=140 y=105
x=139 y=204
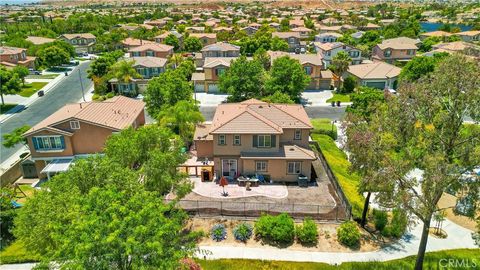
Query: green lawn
x=5 y=108
x=16 y=253
x=339 y=164
x=339 y=97
x=31 y=88
x=433 y=260
x=323 y=124
x=45 y=76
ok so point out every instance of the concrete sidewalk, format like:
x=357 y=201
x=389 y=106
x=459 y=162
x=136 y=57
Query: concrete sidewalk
x=458 y=237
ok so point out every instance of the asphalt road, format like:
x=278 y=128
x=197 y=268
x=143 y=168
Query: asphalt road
x=334 y=113
x=66 y=91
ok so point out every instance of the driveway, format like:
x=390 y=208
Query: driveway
x=316 y=98
x=208 y=100
x=68 y=90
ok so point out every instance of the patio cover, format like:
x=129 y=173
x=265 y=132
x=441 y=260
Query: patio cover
x=57 y=165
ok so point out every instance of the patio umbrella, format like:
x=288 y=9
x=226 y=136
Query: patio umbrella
x=223 y=182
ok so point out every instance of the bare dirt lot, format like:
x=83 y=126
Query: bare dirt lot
x=327 y=237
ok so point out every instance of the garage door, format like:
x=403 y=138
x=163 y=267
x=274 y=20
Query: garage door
x=199 y=87
x=379 y=85
x=213 y=88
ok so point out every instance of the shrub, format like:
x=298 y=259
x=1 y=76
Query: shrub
x=278 y=229
x=110 y=95
x=349 y=84
x=218 y=232
x=242 y=232
x=380 y=219
x=6 y=226
x=348 y=234
x=399 y=223
x=307 y=233
x=95 y=96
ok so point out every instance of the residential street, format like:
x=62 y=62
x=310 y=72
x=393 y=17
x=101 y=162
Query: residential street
x=66 y=91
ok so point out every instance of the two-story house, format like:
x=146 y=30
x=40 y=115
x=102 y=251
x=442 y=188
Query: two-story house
x=83 y=43
x=328 y=37
x=152 y=49
x=469 y=36
x=292 y=38
x=129 y=43
x=78 y=130
x=161 y=38
x=213 y=67
x=220 y=49
x=148 y=67
x=396 y=49
x=320 y=79
x=10 y=57
x=255 y=137
x=205 y=38
x=330 y=50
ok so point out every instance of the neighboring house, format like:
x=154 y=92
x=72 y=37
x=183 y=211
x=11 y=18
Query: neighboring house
x=222 y=29
x=161 y=38
x=469 y=36
x=160 y=23
x=357 y=35
x=327 y=37
x=79 y=130
x=329 y=50
x=195 y=29
x=396 y=49
x=292 y=38
x=370 y=27
x=83 y=43
x=213 y=67
x=277 y=147
x=148 y=67
x=220 y=49
x=152 y=49
x=303 y=31
x=249 y=30
x=274 y=25
x=439 y=34
x=205 y=38
x=379 y=75
x=320 y=79
x=462 y=47
x=39 y=40
x=129 y=43
x=11 y=57
x=294 y=23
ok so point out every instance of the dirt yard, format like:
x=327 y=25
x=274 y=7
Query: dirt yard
x=448 y=202
x=327 y=237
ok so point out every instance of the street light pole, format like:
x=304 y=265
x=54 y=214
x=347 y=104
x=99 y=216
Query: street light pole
x=81 y=85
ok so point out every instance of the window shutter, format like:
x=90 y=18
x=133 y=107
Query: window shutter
x=35 y=143
x=255 y=140
x=62 y=139
x=274 y=143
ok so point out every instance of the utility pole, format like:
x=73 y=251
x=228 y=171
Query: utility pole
x=81 y=85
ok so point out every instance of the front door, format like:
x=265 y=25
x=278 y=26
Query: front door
x=229 y=168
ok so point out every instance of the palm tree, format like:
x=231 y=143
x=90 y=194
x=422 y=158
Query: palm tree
x=175 y=60
x=340 y=64
x=181 y=119
x=124 y=71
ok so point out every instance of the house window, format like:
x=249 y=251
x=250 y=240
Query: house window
x=46 y=143
x=219 y=71
x=150 y=53
x=74 y=125
x=387 y=53
x=222 y=140
x=236 y=140
x=308 y=70
x=260 y=166
x=410 y=52
x=298 y=134
x=291 y=40
x=294 y=167
x=264 y=141
x=354 y=54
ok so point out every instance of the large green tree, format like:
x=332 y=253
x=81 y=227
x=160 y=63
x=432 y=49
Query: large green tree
x=243 y=80
x=124 y=71
x=426 y=129
x=15 y=137
x=181 y=118
x=53 y=56
x=339 y=65
x=166 y=90
x=97 y=215
x=9 y=83
x=286 y=76
x=420 y=66
x=173 y=41
x=192 y=44
x=22 y=72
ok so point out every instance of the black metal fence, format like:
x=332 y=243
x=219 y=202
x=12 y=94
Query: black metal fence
x=219 y=208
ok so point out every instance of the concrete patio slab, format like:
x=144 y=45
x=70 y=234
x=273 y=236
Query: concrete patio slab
x=213 y=190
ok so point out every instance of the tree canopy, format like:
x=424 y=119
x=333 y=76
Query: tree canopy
x=287 y=76
x=9 y=82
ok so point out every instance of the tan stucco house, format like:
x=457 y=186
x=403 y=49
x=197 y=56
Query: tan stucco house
x=255 y=137
x=78 y=130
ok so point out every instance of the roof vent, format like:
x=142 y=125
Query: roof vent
x=291 y=149
x=260 y=106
